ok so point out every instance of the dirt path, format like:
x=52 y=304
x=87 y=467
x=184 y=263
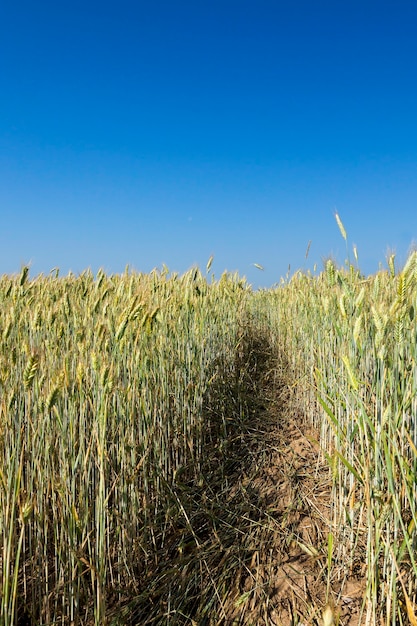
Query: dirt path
x=287 y=582
x=249 y=545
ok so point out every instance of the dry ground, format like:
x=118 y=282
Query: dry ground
x=287 y=579
x=252 y=549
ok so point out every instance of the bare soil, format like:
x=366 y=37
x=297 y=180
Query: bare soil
x=287 y=580
x=249 y=546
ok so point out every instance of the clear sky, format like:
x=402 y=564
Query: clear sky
x=164 y=132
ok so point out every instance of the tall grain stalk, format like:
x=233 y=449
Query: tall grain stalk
x=352 y=342
x=114 y=389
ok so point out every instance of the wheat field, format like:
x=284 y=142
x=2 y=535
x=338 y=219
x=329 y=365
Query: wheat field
x=122 y=401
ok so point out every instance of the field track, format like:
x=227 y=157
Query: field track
x=287 y=486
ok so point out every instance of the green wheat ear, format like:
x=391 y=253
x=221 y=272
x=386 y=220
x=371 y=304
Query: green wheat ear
x=340 y=225
x=30 y=371
x=24 y=275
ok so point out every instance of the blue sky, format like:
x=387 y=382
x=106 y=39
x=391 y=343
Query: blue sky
x=142 y=133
